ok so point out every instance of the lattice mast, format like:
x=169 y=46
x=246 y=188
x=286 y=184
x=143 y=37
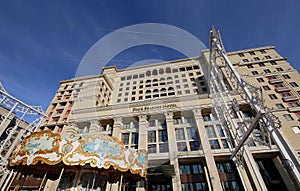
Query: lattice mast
x=227 y=108
x=31 y=116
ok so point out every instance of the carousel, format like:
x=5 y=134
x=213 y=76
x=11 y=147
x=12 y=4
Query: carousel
x=91 y=162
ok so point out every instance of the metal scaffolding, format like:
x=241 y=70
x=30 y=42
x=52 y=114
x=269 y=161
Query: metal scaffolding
x=26 y=119
x=226 y=107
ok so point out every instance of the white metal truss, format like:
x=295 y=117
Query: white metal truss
x=31 y=116
x=227 y=108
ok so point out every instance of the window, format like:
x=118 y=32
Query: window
x=210 y=131
x=273 y=96
x=267 y=71
x=241 y=55
x=268 y=57
x=177 y=120
x=288 y=117
x=260 y=80
x=254 y=72
x=245 y=60
x=279 y=106
x=294 y=84
x=294 y=104
x=152 y=148
x=296 y=129
x=250 y=66
x=206 y=118
x=286 y=76
x=256 y=58
x=214 y=144
x=151 y=136
x=286 y=94
x=266 y=88
x=279 y=69
x=152 y=123
x=125 y=138
x=180 y=134
x=262 y=51
x=273 y=63
x=181 y=146
x=252 y=53
x=163 y=135
x=261 y=64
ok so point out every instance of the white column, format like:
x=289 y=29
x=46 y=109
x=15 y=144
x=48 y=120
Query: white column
x=176 y=182
x=213 y=174
x=143 y=137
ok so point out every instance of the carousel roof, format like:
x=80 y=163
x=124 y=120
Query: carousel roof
x=101 y=151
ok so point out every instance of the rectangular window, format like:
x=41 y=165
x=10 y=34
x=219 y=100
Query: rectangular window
x=163 y=148
x=192 y=133
x=267 y=71
x=279 y=106
x=286 y=76
x=252 y=53
x=151 y=136
x=241 y=55
x=266 y=88
x=220 y=131
x=214 y=144
x=250 y=66
x=288 y=117
x=262 y=51
x=180 y=134
x=181 y=146
x=256 y=58
x=296 y=129
x=206 y=118
x=273 y=96
x=268 y=57
x=163 y=135
x=294 y=84
x=177 y=120
x=245 y=60
x=260 y=80
x=152 y=123
x=254 y=72
x=152 y=148
x=194 y=145
x=286 y=94
x=261 y=64
x=134 y=138
x=294 y=104
x=279 y=69
x=273 y=62
x=125 y=138
x=210 y=131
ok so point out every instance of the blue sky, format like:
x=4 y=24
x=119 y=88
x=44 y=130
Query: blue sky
x=42 y=42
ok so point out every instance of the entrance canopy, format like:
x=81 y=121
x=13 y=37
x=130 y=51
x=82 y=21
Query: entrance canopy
x=99 y=151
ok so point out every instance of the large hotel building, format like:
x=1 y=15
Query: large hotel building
x=166 y=109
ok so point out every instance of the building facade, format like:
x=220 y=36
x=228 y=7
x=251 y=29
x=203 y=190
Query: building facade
x=166 y=109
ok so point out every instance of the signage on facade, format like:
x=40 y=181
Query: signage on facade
x=154 y=107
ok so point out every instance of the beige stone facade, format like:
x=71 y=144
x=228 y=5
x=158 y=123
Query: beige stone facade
x=166 y=109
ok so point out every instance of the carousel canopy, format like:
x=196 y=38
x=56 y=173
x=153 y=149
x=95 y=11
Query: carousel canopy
x=101 y=151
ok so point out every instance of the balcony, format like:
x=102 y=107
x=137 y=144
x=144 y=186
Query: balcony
x=294 y=109
x=282 y=89
x=275 y=81
x=290 y=98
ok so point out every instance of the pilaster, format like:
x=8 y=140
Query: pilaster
x=176 y=182
x=213 y=174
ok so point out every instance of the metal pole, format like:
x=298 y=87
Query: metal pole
x=41 y=185
x=121 y=182
x=7 y=180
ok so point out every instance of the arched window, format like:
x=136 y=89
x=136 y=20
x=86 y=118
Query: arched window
x=161 y=71
x=155 y=82
x=148 y=83
x=168 y=70
x=154 y=72
x=148 y=73
x=163 y=92
x=162 y=81
x=155 y=93
x=171 y=91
